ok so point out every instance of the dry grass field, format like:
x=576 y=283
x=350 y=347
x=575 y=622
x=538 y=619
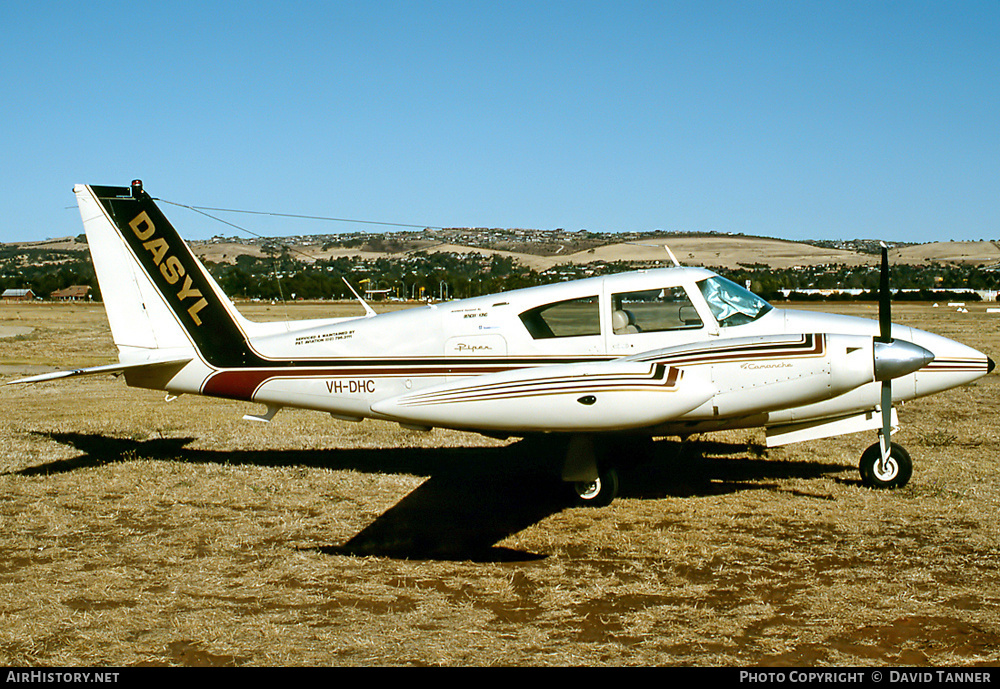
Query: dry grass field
x=137 y=532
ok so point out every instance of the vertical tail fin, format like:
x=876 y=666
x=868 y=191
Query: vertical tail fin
x=157 y=294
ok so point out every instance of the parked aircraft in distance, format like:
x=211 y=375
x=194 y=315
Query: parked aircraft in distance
x=670 y=351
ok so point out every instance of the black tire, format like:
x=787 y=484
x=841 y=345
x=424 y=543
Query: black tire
x=897 y=473
x=600 y=492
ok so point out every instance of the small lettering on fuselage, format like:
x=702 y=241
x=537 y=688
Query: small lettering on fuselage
x=352 y=386
x=463 y=347
x=327 y=337
x=170 y=266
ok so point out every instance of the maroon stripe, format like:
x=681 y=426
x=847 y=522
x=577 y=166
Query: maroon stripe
x=241 y=384
x=812 y=345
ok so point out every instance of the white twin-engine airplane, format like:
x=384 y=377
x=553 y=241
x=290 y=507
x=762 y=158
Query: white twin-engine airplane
x=671 y=351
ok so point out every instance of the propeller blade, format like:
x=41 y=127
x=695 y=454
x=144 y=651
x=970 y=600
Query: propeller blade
x=884 y=299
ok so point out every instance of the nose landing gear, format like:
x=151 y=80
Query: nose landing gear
x=894 y=472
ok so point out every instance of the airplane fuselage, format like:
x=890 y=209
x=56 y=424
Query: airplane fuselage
x=332 y=365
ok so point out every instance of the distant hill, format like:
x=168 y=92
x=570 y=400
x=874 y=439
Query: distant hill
x=560 y=248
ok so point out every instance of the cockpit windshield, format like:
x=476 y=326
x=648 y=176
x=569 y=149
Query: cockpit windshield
x=730 y=303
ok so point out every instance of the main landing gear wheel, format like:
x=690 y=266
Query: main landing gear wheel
x=895 y=474
x=597 y=493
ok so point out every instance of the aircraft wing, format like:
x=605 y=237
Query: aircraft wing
x=605 y=396
x=138 y=367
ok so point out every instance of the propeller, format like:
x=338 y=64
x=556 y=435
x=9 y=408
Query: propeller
x=893 y=358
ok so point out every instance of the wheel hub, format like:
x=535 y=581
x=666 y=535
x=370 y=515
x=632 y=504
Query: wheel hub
x=588 y=490
x=887 y=470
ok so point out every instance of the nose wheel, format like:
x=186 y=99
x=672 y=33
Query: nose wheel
x=893 y=472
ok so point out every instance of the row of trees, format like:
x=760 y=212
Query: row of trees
x=902 y=276
x=450 y=275
x=457 y=276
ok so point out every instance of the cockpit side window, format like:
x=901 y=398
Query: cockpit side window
x=570 y=318
x=654 y=310
x=731 y=304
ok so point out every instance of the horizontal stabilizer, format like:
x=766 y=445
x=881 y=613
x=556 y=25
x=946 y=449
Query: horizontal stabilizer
x=107 y=368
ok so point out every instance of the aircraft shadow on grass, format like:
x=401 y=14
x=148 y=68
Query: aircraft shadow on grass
x=474 y=497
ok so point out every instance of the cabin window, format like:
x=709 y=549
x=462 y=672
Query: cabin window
x=570 y=318
x=654 y=310
x=730 y=303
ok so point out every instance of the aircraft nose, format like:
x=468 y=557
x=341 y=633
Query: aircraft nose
x=899 y=357
x=990 y=365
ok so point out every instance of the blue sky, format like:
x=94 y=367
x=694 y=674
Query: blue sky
x=786 y=119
